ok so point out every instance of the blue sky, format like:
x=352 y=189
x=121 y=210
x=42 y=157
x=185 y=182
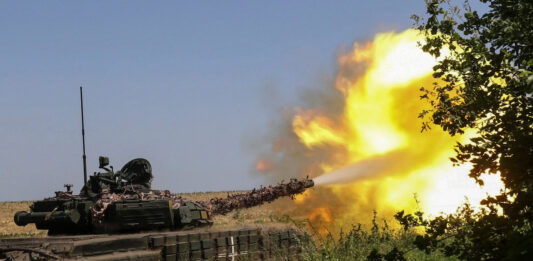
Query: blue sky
x=179 y=83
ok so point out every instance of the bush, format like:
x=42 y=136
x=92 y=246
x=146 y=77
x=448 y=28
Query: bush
x=380 y=242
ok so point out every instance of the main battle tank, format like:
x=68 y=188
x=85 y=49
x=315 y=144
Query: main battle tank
x=123 y=201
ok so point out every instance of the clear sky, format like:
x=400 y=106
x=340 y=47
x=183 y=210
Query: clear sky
x=181 y=83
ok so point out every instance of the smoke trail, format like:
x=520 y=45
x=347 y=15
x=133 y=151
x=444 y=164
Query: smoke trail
x=373 y=167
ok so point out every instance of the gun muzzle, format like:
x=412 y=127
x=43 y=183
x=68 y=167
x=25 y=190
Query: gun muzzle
x=309 y=183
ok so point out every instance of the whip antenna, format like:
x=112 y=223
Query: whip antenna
x=83 y=139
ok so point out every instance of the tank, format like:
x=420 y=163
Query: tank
x=123 y=202
x=147 y=224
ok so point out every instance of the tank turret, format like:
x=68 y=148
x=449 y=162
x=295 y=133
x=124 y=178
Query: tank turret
x=135 y=175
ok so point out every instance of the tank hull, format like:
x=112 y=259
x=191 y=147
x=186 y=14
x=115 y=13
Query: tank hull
x=241 y=244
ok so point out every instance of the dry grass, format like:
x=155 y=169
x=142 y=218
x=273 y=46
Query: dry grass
x=265 y=215
x=8 y=228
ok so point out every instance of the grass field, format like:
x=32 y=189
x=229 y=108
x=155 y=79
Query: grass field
x=7 y=225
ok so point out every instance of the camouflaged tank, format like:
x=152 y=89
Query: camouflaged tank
x=123 y=202
x=147 y=224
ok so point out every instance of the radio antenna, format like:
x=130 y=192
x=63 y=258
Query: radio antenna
x=83 y=140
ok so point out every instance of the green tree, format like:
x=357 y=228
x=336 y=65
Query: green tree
x=485 y=83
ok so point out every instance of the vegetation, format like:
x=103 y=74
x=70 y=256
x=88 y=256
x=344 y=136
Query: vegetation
x=485 y=83
x=380 y=242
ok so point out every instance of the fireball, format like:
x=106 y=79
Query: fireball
x=376 y=156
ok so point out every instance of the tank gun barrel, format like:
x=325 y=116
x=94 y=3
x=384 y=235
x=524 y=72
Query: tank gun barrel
x=222 y=206
x=23 y=218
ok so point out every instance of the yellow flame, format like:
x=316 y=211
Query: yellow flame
x=301 y=198
x=314 y=129
x=380 y=116
x=321 y=214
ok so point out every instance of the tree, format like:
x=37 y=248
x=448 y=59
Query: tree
x=485 y=83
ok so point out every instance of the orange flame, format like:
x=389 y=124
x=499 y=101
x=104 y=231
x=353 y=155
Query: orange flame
x=314 y=128
x=263 y=165
x=322 y=218
x=321 y=214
